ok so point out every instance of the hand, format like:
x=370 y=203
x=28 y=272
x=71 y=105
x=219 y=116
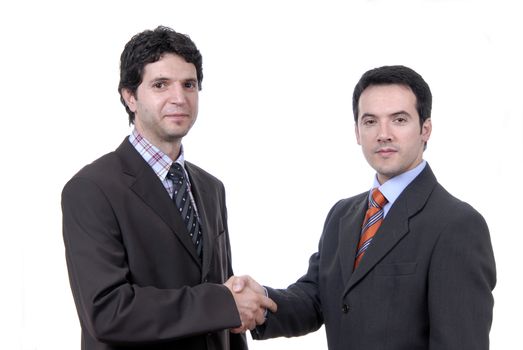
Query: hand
x=251 y=302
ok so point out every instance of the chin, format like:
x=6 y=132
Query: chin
x=178 y=132
x=385 y=173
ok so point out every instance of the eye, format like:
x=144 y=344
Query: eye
x=368 y=121
x=190 y=84
x=159 y=84
x=401 y=119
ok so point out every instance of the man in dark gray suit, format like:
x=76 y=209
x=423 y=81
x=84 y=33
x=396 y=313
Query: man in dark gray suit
x=420 y=272
x=142 y=275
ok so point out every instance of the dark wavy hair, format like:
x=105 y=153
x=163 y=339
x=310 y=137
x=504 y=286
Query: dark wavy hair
x=149 y=46
x=400 y=75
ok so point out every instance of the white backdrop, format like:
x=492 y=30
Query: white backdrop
x=277 y=93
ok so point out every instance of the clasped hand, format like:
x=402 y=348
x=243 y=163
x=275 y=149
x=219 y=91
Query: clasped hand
x=251 y=301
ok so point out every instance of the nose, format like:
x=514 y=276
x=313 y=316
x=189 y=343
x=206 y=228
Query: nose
x=177 y=94
x=384 y=133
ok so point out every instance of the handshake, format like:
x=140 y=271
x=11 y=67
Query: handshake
x=251 y=301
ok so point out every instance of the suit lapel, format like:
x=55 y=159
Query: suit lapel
x=142 y=180
x=396 y=224
x=393 y=228
x=205 y=205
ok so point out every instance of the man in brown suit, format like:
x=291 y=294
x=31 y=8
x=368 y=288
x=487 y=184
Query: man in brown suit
x=143 y=276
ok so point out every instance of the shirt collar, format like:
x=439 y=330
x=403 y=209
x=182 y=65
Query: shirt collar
x=159 y=161
x=392 y=188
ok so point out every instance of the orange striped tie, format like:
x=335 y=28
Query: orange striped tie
x=371 y=223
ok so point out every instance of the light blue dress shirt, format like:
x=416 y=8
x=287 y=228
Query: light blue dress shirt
x=392 y=188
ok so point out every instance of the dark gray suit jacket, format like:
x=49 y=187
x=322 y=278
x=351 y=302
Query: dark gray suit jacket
x=424 y=283
x=136 y=279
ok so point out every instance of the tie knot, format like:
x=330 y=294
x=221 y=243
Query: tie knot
x=377 y=199
x=176 y=172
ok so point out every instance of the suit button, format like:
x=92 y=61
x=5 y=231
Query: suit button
x=345 y=308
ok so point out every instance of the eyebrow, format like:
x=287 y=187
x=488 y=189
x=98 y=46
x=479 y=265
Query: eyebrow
x=159 y=79
x=192 y=80
x=165 y=79
x=402 y=112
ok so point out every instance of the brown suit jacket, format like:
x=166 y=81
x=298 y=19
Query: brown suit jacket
x=424 y=283
x=135 y=276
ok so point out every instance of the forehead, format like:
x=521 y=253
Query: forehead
x=388 y=99
x=170 y=66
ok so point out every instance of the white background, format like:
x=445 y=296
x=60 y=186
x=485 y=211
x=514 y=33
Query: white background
x=275 y=125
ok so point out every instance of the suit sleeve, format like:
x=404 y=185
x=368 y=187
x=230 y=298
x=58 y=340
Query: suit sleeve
x=110 y=307
x=461 y=279
x=299 y=310
x=299 y=306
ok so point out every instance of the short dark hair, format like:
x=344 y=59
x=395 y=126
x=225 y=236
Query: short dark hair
x=400 y=75
x=149 y=46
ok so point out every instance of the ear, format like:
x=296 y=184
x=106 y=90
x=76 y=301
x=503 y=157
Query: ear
x=426 y=129
x=356 y=131
x=130 y=99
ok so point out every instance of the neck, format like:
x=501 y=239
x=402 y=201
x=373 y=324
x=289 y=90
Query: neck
x=171 y=149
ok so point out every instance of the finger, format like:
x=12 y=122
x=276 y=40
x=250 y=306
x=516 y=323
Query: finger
x=249 y=324
x=260 y=317
x=269 y=304
x=238 y=330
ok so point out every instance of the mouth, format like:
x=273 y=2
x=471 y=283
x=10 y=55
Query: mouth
x=386 y=151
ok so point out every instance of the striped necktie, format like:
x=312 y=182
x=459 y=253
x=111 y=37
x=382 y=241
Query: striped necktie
x=182 y=200
x=371 y=223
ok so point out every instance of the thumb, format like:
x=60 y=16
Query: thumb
x=238 y=284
